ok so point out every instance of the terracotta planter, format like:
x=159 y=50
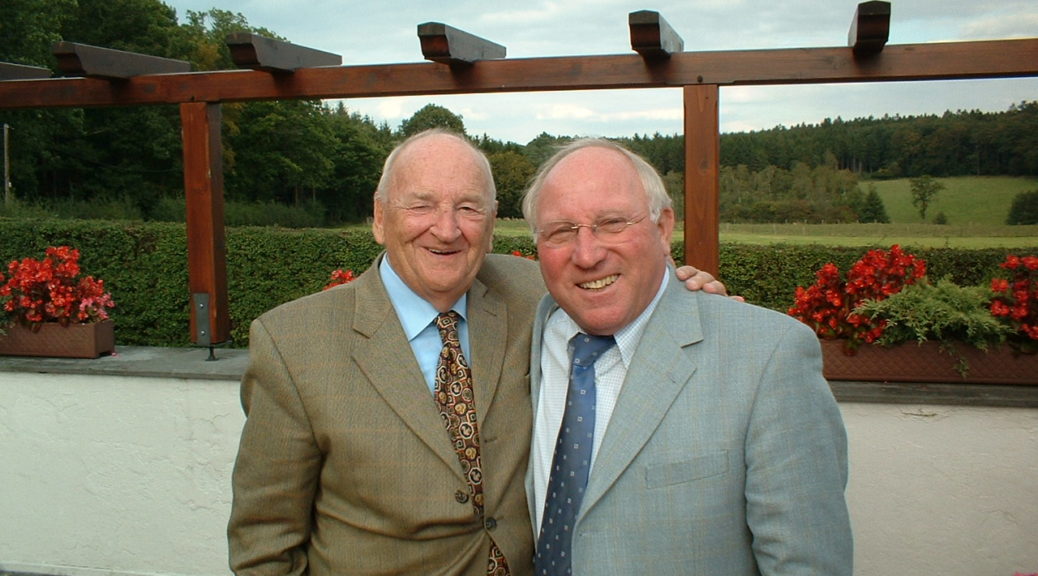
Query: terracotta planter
x=927 y=363
x=57 y=341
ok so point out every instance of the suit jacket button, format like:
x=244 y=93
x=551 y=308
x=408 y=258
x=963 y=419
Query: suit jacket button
x=490 y=523
x=461 y=496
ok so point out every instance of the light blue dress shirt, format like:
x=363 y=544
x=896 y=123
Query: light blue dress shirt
x=418 y=319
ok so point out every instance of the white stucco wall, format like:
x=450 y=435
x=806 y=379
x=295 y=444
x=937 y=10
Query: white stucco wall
x=946 y=490
x=130 y=475
x=115 y=475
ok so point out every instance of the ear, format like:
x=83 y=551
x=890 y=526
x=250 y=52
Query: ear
x=490 y=233
x=665 y=228
x=377 y=225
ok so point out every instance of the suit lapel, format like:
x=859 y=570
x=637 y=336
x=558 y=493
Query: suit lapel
x=488 y=332
x=658 y=374
x=544 y=310
x=385 y=358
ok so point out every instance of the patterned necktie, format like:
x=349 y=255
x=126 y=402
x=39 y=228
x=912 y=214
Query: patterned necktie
x=572 y=460
x=457 y=404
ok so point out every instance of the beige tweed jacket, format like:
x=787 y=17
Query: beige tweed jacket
x=344 y=465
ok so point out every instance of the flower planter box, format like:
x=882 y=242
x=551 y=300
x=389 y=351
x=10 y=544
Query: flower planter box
x=927 y=363
x=57 y=341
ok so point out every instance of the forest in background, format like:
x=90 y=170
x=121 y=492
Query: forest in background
x=313 y=163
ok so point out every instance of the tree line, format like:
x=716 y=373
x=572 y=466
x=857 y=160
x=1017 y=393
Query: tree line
x=322 y=161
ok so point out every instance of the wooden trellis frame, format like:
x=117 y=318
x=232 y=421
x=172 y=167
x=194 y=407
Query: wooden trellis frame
x=461 y=63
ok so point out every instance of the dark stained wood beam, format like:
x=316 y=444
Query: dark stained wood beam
x=652 y=36
x=92 y=61
x=206 y=246
x=870 y=28
x=261 y=53
x=10 y=71
x=702 y=178
x=938 y=61
x=447 y=45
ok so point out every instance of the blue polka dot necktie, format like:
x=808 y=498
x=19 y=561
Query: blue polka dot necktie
x=572 y=460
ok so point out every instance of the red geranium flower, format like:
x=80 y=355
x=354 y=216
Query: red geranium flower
x=827 y=305
x=340 y=277
x=52 y=290
x=1015 y=299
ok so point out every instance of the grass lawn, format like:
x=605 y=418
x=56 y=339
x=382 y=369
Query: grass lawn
x=965 y=201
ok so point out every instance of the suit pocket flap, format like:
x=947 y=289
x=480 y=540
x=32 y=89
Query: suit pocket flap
x=697 y=468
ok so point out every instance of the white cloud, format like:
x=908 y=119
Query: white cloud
x=649 y=114
x=563 y=111
x=392 y=109
x=1019 y=26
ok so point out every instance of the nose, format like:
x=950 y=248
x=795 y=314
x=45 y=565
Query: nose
x=446 y=227
x=587 y=250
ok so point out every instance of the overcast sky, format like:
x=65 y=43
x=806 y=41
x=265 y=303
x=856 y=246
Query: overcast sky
x=385 y=32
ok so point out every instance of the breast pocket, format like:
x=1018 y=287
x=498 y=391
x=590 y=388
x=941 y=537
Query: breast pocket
x=690 y=470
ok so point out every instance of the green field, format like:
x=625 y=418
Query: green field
x=966 y=201
x=976 y=209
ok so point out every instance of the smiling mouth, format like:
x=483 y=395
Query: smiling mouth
x=443 y=252
x=600 y=283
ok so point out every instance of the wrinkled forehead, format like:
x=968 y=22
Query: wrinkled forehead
x=591 y=181
x=443 y=171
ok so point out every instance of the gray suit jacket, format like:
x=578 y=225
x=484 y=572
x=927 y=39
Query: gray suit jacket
x=726 y=452
x=345 y=466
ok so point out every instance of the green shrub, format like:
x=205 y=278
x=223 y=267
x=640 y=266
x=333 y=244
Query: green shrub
x=943 y=311
x=1024 y=209
x=144 y=265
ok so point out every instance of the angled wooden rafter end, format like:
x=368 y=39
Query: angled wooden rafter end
x=870 y=28
x=10 y=71
x=652 y=36
x=448 y=45
x=261 y=53
x=76 y=59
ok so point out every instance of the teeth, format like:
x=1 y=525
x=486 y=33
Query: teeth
x=600 y=283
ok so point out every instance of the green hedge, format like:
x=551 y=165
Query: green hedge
x=144 y=265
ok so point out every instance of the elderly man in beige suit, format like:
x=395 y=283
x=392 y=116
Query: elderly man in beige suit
x=345 y=464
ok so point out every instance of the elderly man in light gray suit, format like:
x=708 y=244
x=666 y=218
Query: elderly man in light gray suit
x=712 y=443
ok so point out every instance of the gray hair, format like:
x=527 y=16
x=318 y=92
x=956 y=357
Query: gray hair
x=389 y=167
x=655 y=190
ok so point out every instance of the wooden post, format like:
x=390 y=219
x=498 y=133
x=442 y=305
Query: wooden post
x=206 y=248
x=702 y=177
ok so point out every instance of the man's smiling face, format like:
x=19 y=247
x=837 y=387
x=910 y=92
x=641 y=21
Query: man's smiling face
x=437 y=222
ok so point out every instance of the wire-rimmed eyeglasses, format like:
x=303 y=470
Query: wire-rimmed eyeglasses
x=607 y=230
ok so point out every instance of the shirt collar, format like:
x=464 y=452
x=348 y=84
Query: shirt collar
x=415 y=313
x=627 y=338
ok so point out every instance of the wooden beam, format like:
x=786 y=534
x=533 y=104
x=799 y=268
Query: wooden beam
x=702 y=178
x=870 y=28
x=10 y=71
x=447 y=45
x=261 y=53
x=206 y=247
x=85 y=60
x=938 y=61
x=652 y=36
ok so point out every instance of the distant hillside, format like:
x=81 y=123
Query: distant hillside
x=979 y=200
x=963 y=143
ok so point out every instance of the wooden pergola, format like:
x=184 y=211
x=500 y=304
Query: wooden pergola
x=460 y=63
